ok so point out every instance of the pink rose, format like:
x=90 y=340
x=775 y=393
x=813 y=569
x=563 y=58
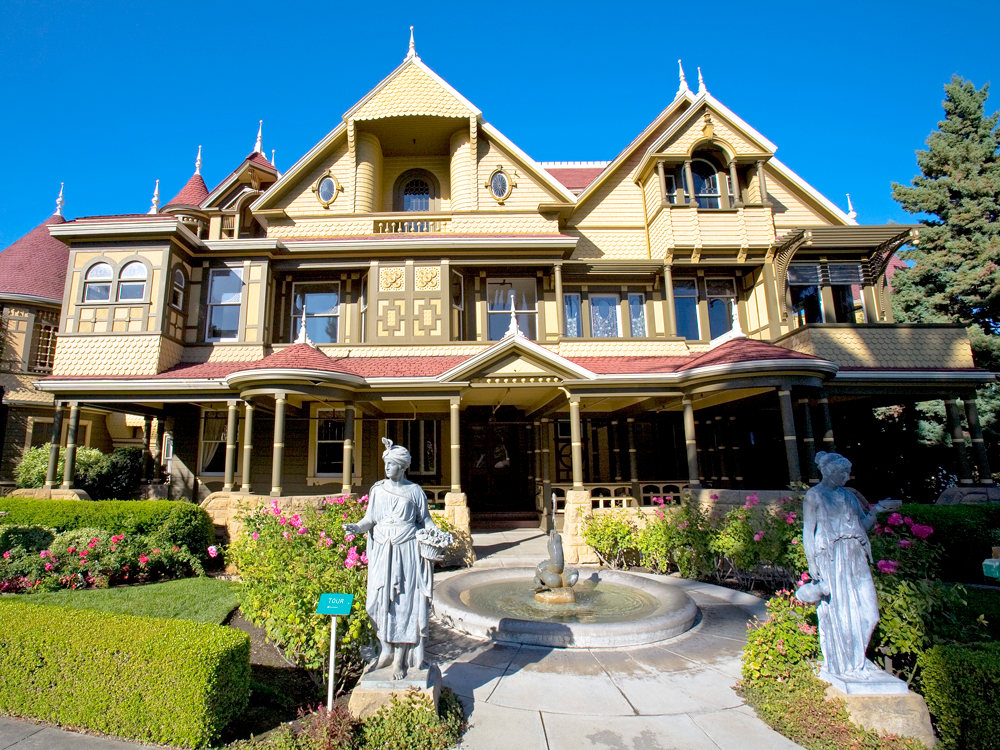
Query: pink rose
x=895 y=519
x=921 y=530
x=6 y=555
x=364 y=557
x=255 y=535
x=296 y=521
x=286 y=535
x=71 y=550
x=758 y=536
x=659 y=514
x=790 y=518
x=363 y=499
x=795 y=541
x=329 y=541
x=339 y=500
x=213 y=551
x=44 y=553
x=714 y=496
x=143 y=559
x=345 y=515
x=657 y=501
x=804 y=577
x=904 y=543
x=888 y=566
x=349 y=538
x=302 y=530
x=156 y=552
x=48 y=566
x=908 y=521
x=282 y=520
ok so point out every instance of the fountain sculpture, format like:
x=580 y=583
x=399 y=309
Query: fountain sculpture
x=553 y=580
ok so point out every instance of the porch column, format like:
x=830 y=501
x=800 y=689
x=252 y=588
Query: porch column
x=725 y=470
x=456 y=448
x=689 y=178
x=560 y=313
x=691 y=443
x=345 y=488
x=74 y=423
x=735 y=453
x=548 y=511
x=788 y=428
x=808 y=442
x=247 y=445
x=978 y=446
x=633 y=462
x=575 y=442
x=232 y=421
x=669 y=317
x=700 y=452
x=278 y=455
x=954 y=422
x=826 y=422
x=762 y=180
x=616 y=452
x=50 y=472
x=734 y=178
x=147 y=453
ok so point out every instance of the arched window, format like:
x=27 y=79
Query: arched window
x=97 y=284
x=706 y=184
x=177 y=293
x=416 y=190
x=132 y=282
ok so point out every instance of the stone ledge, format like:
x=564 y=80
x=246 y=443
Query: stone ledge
x=904 y=715
x=42 y=493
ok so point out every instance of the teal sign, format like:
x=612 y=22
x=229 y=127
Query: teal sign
x=991 y=568
x=335 y=604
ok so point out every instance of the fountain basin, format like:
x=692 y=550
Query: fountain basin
x=613 y=609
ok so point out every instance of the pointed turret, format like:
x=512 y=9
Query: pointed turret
x=701 y=83
x=193 y=193
x=35 y=265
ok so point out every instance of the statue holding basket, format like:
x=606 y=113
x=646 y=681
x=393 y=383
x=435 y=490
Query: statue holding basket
x=403 y=544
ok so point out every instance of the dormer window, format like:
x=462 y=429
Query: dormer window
x=97 y=286
x=416 y=190
x=132 y=282
x=706 y=184
x=416 y=195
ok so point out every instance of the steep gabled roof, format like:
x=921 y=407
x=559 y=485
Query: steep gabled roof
x=254 y=158
x=35 y=265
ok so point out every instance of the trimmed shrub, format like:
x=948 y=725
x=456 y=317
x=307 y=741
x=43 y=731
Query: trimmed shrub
x=410 y=723
x=678 y=540
x=960 y=687
x=161 y=681
x=181 y=524
x=28 y=538
x=122 y=477
x=91 y=464
x=964 y=534
x=788 y=639
x=613 y=536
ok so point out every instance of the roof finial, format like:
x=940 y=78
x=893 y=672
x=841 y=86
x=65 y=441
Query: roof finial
x=701 y=82
x=272 y=157
x=197 y=162
x=303 y=337
x=59 y=201
x=851 y=213
x=684 y=84
x=155 y=208
x=412 y=52
x=259 y=148
x=512 y=329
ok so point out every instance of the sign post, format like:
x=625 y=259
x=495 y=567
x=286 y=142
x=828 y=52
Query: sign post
x=333 y=604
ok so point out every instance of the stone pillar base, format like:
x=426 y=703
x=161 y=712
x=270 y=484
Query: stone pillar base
x=55 y=493
x=376 y=688
x=575 y=549
x=456 y=512
x=981 y=495
x=904 y=715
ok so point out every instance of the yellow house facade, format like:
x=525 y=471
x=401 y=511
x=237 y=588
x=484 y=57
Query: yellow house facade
x=690 y=314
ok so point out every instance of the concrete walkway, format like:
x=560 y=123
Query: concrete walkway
x=673 y=694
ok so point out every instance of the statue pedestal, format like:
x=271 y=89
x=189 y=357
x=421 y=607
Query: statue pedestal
x=562 y=595
x=376 y=688
x=883 y=703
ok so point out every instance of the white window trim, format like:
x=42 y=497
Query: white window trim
x=175 y=287
x=201 y=442
x=340 y=303
x=209 y=304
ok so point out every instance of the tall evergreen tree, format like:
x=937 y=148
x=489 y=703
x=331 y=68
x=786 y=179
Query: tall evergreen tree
x=955 y=275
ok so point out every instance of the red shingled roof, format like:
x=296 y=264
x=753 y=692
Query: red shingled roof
x=744 y=350
x=630 y=365
x=116 y=217
x=192 y=194
x=575 y=178
x=261 y=160
x=35 y=265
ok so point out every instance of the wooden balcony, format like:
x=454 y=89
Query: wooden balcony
x=412 y=224
x=884 y=345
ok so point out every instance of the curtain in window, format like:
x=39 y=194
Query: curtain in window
x=212 y=440
x=571 y=313
x=604 y=317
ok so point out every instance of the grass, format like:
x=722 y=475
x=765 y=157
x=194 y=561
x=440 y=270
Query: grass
x=205 y=600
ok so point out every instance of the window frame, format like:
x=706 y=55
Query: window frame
x=399 y=186
x=697 y=306
x=293 y=315
x=88 y=283
x=202 y=423
x=209 y=305
x=519 y=312
x=458 y=310
x=734 y=304
x=177 y=302
x=129 y=282
x=579 y=319
x=314 y=441
x=697 y=197
x=825 y=285
x=642 y=306
x=615 y=305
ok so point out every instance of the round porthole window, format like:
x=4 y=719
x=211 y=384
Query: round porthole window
x=326 y=189
x=500 y=185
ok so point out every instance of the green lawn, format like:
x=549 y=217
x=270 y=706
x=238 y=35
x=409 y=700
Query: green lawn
x=200 y=599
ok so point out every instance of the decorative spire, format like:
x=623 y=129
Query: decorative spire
x=258 y=147
x=512 y=329
x=272 y=157
x=155 y=208
x=851 y=213
x=59 y=201
x=303 y=337
x=684 y=84
x=412 y=52
x=701 y=83
x=197 y=162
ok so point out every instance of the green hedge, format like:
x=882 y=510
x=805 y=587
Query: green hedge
x=965 y=534
x=961 y=685
x=160 y=681
x=183 y=524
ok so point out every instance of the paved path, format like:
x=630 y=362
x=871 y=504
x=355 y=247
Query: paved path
x=674 y=694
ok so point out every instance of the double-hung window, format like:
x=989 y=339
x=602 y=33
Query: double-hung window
x=637 y=315
x=686 y=308
x=132 y=282
x=329 y=443
x=421 y=437
x=502 y=295
x=457 y=306
x=225 y=293
x=721 y=303
x=320 y=304
x=806 y=282
x=845 y=284
x=213 y=441
x=572 y=315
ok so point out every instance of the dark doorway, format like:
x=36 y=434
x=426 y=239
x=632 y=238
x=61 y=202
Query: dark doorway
x=497 y=461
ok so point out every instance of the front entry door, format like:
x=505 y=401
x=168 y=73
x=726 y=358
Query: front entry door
x=495 y=467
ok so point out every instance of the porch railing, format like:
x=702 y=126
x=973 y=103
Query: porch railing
x=428 y=225
x=619 y=494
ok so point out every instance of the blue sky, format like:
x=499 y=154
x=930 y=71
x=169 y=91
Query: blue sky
x=109 y=97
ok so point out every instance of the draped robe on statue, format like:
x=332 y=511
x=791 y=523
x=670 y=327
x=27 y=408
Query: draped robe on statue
x=399 y=580
x=850 y=614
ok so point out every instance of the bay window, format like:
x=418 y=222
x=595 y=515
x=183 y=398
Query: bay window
x=604 y=320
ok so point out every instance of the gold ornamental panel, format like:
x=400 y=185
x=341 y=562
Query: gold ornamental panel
x=392 y=279
x=428 y=278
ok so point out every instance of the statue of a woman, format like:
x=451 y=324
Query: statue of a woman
x=400 y=579
x=836 y=544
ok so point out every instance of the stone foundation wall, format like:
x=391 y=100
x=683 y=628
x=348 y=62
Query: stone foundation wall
x=40 y=493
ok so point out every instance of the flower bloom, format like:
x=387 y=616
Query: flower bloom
x=349 y=538
x=156 y=552
x=340 y=500
x=877 y=529
x=353 y=558
x=795 y=541
x=790 y=518
x=143 y=559
x=807 y=628
x=213 y=551
x=752 y=500
x=659 y=514
x=118 y=538
x=44 y=553
x=282 y=520
x=922 y=530
x=286 y=535
x=758 y=536
x=657 y=501
x=888 y=566
x=93 y=543
x=364 y=557
x=71 y=550
x=329 y=541
x=255 y=535
x=682 y=525
x=345 y=515
x=49 y=566
x=302 y=530
x=296 y=521
x=895 y=519
x=6 y=555
x=363 y=499
x=904 y=543
x=804 y=577
x=908 y=521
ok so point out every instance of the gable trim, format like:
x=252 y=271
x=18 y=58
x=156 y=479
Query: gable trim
x=504 y=347
x=788 y=174
x=287 y=179
x=539 y=171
